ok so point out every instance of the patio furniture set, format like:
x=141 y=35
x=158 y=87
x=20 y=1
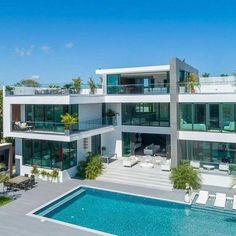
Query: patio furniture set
x=148 y=162
x=222 y=166
x=20 y=182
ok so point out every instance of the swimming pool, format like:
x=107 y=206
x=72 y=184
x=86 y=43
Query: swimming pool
x=129 y=215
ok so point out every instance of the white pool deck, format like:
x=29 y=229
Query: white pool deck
x=15 y=221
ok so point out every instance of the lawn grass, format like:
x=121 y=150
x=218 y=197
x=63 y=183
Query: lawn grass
x=4 y=200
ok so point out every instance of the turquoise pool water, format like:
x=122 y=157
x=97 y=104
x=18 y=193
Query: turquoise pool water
x=128 y=215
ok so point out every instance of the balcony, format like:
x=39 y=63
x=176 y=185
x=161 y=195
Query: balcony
x=209 y=85
x=60 y=128
x=47 y=90
x=158 y=88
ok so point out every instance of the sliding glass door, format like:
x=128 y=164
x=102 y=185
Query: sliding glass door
x=214 y=117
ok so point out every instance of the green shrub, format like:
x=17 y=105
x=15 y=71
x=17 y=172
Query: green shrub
x=185 y=174
x=35 y=170
x=4 y=177
x=81 y=169
x=54 y=174
x=232 y=168
x=90 y=168
x=93 y=168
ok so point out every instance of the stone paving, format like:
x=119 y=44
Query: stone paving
x=14 y=221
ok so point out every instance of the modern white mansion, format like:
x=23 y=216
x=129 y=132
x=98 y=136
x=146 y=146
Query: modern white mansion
x=155 y=111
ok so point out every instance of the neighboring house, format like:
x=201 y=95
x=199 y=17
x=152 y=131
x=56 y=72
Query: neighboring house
x=154 y=114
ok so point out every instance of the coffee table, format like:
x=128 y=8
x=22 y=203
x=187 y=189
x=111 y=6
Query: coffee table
x=146 y=165
x=209 y=167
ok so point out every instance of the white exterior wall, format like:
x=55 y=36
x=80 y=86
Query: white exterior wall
x=113 y=141
x=207 y=136
x=90 y=112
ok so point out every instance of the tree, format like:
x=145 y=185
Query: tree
x=205 y=75
x=224 y=75
x=28 y=83
x=184 y=175
x=76 y=83
x=192 y=82
x=92 y=85
x=234 y=74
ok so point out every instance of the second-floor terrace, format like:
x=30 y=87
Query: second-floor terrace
x=63 y=120
x=53 y=90
x=207 y=85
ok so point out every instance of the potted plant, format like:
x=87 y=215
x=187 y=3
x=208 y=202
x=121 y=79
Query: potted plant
x=184 y=173
x=187 y=197
x=68 y=120
x=44 y=175
x=110 y=114
x=92 y=86
x=54 y=175
x=35 y=171
x=76 y=84
x=192 y=83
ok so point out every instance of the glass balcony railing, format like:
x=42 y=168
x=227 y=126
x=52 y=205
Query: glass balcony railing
x=207 y=87
x=58 y=127
x=145 y=120
x=51 y=90
x=159 y=88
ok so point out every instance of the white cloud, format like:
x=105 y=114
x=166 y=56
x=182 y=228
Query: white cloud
x=45 y=48
x=35 y=77
x=25 y=52
x=69 y=45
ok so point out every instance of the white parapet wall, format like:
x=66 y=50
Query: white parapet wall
x=63 y=175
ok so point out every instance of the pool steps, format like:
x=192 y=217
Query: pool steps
x=60 y=203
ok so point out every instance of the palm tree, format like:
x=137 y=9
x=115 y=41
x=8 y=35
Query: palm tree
x=76 y=84
x=192 y=82
x=92 y=85
x=205 y=75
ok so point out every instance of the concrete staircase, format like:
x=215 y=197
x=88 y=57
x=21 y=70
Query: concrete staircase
x=148 y=178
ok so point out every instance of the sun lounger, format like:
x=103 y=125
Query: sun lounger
x=220 y=200
x=234 y=203
x=202 y=197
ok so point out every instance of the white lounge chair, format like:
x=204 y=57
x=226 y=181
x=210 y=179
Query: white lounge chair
x=166 y=166
x=220 y=200
x=234 y=203
x=202 y=197
x=130 y=161
x=195 y=164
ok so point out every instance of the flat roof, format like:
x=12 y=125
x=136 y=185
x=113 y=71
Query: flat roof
x=141 y=69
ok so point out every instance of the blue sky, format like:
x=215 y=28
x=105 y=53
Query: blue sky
x=59 y=40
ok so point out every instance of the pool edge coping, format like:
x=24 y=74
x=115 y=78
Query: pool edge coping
x=86 y=229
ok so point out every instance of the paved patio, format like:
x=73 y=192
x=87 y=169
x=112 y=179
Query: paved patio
x=14 y=220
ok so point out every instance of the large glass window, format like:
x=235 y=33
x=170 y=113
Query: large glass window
x=157 y=83
x=48 y=117
x=228 y=117
x=211 y=117
x=214 y=117
x=185 y=116
x=208 y=152
x=164 y=114
x=199 y=122
x=146 y=114
x=112 y=84
x=49 y=154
